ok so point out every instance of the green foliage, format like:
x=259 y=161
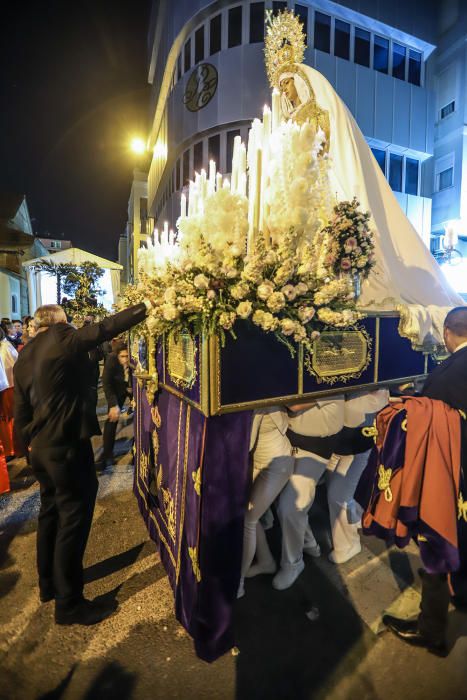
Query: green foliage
x=80 y=282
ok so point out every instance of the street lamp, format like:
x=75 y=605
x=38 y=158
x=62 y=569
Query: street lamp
x=138 y=146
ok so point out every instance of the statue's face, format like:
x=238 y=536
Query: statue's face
x=287 y=86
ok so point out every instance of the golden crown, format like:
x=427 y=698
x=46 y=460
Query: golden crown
x=284 y=43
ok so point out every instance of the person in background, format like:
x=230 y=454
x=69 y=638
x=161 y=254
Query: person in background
x=345 y=469
x=10 y=334
x=29 y=330
x=272 y=467
x=448 y=383
x=117 y=383
x=8 y=357
x=55 y=423
x=313 y=432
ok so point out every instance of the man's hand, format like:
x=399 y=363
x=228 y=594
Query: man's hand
x=114 y=414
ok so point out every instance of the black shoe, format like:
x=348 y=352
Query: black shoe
x=87 y=612
x=102 y=464
x=408 y=631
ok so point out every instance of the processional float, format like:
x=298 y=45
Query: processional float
x=297 y=277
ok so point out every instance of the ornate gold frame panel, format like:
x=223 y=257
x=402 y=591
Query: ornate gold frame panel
x=339 y=356
x=146 y=378
x=202 y=374
x=181 y=359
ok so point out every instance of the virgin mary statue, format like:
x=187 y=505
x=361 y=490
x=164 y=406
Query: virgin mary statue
x=406 y=277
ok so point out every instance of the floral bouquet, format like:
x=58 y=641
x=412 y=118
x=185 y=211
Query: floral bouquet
x=345 y=245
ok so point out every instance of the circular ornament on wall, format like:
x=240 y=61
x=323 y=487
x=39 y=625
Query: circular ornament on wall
x=201 y=87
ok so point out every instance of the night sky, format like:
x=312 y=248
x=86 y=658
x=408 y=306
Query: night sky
x=73 y=90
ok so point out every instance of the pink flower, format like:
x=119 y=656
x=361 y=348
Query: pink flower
x=346 y=264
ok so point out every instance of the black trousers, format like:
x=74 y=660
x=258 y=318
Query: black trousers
x=68 y=489
x=433 y=618
x=110 y=431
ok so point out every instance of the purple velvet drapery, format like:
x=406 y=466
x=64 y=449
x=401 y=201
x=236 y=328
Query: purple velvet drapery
x=191 y=482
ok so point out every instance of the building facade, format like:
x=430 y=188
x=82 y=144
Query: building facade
x=54 y=245
x=17 y=243
x=399 y=65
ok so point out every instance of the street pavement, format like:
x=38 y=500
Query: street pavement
x=142 y=653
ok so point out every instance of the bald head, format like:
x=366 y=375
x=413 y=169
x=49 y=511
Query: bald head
x=455 y=328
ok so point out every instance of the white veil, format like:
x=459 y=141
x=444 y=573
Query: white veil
x=405 y=275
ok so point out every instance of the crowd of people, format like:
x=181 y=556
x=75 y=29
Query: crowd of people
x=109 y=359
x=49 y=371
x=294 y=448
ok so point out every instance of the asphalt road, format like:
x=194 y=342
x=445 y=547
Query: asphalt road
x=142 y=653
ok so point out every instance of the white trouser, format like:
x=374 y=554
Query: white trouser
x=267 y=485
x=295 y=502
x=343 y=510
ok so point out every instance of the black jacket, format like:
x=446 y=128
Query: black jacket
x=54 y=399
x=113 y=381
x=448 y=381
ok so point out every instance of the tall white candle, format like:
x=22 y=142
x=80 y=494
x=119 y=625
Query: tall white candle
x=276 y=108
x=166 y=231
x=212 y=176
x=183 y=206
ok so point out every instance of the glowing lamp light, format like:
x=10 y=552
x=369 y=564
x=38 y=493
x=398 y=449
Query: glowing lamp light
x=138 y=146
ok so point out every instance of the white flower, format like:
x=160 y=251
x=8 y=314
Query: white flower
x=306 y=313
x=287 y=326
x=289 y=291
x=235 y=251
x=269 y=323
x=170 y=295
x=300 y=334
x=265 y=289
x=276 y=301
x=227 y=319
x=240 y=291
x=301 y=288
x=169 y=312
x=271 y=257
x=244 y=309
x=201 y=282
x=211 y=294
x=361 y=262
x=258 y=317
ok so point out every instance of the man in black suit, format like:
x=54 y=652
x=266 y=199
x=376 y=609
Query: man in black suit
x=55 y=418
x=448 y=383
x=116 y=380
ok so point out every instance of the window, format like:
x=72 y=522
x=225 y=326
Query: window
x=448 y=109
x=415 y=67
x=186 y=168
x=395 y=172
x=187 y=56
x=302 y=13
x=14 y=304
x=398 y=61
x=342 y=39
x=256 y=22
x=179 y=66
x=381 y=54
x=215 y=34
x=214 y=149
x=322 y=32
x=178 y=178
x=199 y=45
x=411 y=176
x=380 y=156
x=230 y=144
x=362 y=47
x=278 y=6
x=445 y=179
x=55 y=244
x=235 y=27
x=198 y=156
